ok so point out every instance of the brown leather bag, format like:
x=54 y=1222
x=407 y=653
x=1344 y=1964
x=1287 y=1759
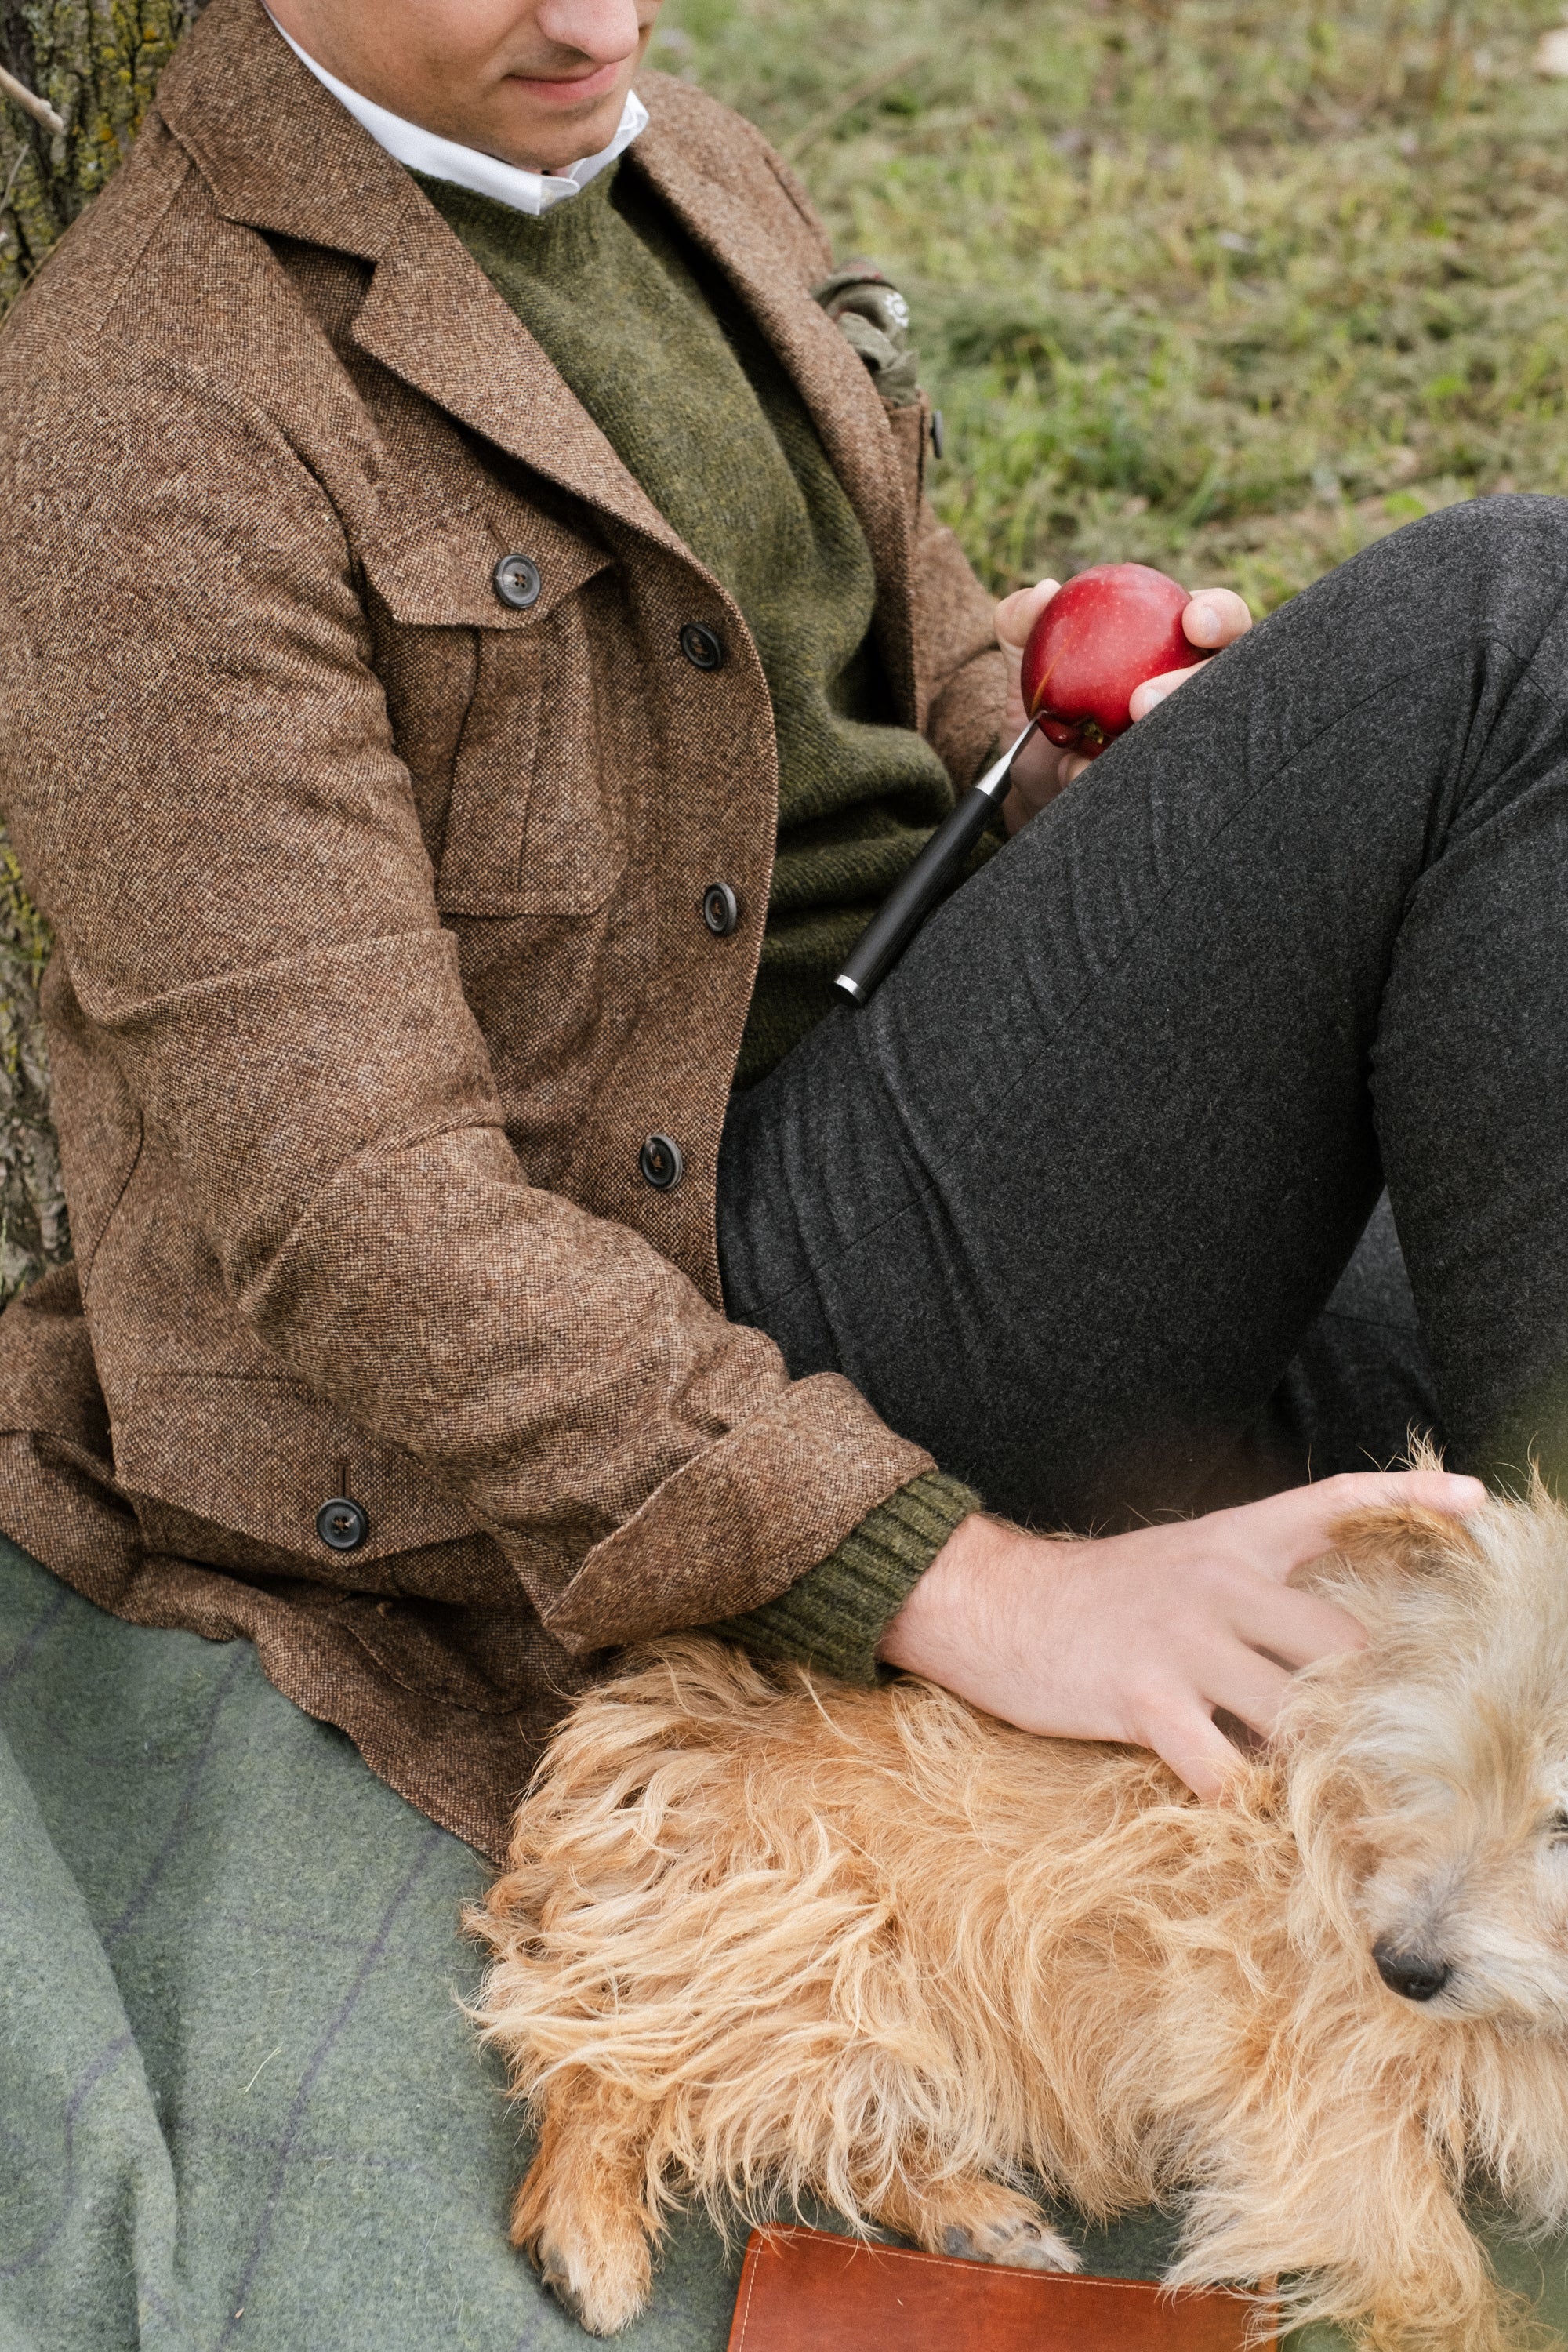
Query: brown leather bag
x=804 y=2290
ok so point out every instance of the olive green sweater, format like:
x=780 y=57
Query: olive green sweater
x=699 y=409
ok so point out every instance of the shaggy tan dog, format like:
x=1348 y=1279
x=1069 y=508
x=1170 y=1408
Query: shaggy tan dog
x=764 y=1934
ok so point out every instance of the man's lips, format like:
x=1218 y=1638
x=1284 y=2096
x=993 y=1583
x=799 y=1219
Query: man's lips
x=579 y=91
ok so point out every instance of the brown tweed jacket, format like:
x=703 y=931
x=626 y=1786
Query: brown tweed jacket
x=379 y=943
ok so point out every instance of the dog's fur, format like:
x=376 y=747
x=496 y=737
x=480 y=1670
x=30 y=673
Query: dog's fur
x=765 y=1934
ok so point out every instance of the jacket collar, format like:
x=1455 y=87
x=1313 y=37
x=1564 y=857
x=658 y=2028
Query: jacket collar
x=275 y=147
x=280 y=154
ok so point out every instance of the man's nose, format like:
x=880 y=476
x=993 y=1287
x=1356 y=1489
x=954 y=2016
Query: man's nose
x=605 y=30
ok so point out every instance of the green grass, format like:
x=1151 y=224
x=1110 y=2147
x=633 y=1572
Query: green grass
x=1231 y=289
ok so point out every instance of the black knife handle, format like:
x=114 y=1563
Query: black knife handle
x=896 y=920
x=895 y=923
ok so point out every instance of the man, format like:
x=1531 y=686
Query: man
x=486 y=656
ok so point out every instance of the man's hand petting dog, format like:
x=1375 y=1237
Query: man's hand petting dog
x=1141 y=1637
x=1214 y=619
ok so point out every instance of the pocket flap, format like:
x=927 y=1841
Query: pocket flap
x=260 y=1457
x=441 y=575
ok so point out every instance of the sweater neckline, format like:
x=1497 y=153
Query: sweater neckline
x=536 y=242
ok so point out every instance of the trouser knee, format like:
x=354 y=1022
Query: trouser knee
x=1483 y=582
x=1503 y=562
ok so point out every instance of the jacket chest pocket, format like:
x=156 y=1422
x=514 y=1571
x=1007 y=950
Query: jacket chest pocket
x=533 y=824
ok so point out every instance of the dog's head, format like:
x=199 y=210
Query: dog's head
x=1427 y=1777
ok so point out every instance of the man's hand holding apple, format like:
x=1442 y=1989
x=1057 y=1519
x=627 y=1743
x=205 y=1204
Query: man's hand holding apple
x=1213 y=619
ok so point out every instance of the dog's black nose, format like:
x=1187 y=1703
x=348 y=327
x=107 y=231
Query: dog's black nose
x=1410 y=1974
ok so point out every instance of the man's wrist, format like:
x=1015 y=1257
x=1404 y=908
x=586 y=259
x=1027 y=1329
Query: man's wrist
x=835 y=1616
x=939 y=1620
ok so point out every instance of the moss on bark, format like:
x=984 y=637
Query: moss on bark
x=34 y=1229
x=97 y=63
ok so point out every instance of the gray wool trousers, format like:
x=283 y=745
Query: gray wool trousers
x=1215 y=1134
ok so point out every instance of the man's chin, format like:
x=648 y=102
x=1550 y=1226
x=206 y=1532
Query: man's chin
x=551 y=137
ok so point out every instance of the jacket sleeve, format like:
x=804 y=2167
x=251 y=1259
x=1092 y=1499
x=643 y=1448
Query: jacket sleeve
x=207 y=800
x=961 y=681
x=837 y=1613
x=960 y=665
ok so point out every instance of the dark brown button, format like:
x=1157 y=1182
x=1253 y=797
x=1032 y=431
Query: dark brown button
x=342 y=1525
x=660 y=1163
x=702 y=645
x=720 y=909
x=516 y=581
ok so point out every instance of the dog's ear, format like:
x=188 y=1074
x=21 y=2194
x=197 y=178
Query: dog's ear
x=1403 y=1543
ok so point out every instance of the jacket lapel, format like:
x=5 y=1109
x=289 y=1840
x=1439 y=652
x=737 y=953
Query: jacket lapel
x=281 y=155
x=433 y=317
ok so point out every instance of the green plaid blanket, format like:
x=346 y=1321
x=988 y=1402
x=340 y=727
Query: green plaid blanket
x=239 y=2106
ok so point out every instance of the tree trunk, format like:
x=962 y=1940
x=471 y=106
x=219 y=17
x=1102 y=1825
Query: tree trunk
x=95 y=63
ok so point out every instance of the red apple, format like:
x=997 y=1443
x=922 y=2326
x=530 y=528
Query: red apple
x=1102 y=634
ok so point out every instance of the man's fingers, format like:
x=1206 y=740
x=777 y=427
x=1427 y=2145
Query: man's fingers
x=1154 y=691
x=1250 y=1687
x=1289 y=1530
x=1297 y=1627
x=1186 y=1738
x=1428 y=1490
x=1215 y=617
x=1015 y=615
x=1038 y=775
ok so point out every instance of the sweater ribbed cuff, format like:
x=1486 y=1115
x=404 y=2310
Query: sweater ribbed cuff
x=836 y=1613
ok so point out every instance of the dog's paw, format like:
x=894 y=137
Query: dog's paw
x=588 y=2246
x=602 y=2294
x=1019 y=2245
x=1008 y=2228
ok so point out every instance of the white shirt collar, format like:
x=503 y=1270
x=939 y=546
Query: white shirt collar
x=465 y=167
